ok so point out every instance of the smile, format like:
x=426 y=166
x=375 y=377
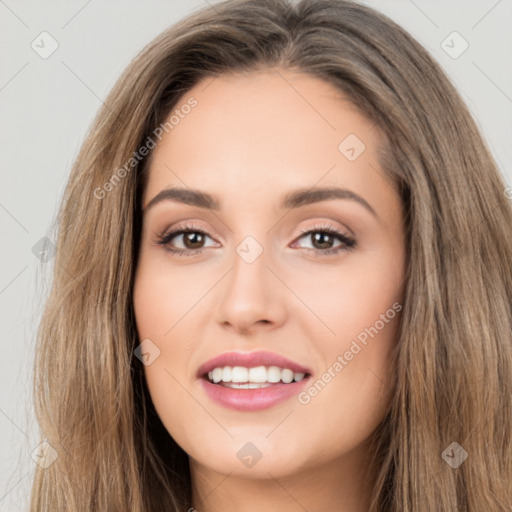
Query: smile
x=253 y=381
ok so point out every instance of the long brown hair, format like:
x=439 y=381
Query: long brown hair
x=454 y=352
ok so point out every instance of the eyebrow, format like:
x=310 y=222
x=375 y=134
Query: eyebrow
x=291 y=200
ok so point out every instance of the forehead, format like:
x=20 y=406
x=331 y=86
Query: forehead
x=272 y=129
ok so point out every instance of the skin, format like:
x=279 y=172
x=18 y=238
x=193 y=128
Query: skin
x=251 y=139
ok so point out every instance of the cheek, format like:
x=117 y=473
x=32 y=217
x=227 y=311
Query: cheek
x=359 y=307
x=164 y=302
x=163 y=296
x=158 y=309
x=160 y=301
x=352 y=394
x=351 y=298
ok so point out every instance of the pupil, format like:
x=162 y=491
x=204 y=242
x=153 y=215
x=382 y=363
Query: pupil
x=320 y=238
x=189 y=239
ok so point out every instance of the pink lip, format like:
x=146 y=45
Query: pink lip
x=251 y=399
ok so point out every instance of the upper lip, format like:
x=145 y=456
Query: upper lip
x=249 y=360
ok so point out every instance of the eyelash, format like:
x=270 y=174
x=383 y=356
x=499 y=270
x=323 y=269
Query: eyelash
x=348 y=242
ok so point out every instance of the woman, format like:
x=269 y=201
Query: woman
x=194 y=354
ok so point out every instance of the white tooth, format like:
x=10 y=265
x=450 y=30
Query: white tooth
x=297 y=377
x=274 y=374
x=287 y=375
x=216 y=375
x=255 y=375
x=239 y=374
x=258 y=374
x=226 y=374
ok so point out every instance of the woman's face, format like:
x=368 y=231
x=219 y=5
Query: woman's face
x=295 y=248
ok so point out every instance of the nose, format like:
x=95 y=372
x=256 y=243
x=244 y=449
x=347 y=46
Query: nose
x=251 y=297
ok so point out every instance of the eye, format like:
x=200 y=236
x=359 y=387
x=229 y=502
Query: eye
x=192 y=240
x=323 y=237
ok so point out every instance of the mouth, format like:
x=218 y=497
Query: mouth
x=252 y=381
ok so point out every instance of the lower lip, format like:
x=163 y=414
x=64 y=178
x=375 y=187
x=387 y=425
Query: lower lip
x=252 y=399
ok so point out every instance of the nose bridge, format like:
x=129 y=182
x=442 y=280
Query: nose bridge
x=249 y=294
x=248 y=277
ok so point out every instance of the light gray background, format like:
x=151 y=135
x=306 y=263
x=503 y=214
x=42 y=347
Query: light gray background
x=47 y=106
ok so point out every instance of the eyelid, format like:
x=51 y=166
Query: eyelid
x=348 y=240
x=179 y=229
x=324 y=225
